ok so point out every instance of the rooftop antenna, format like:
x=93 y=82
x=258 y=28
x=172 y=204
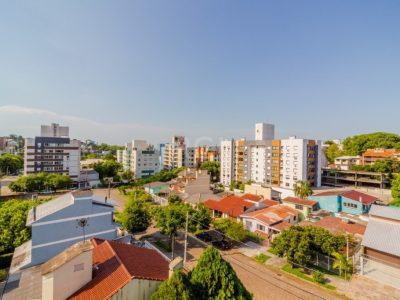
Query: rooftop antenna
x=83 y=223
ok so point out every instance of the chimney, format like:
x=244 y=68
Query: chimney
x=360 y=199
x=174 y=265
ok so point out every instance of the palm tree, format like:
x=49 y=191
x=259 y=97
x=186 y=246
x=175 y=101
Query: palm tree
x=302 y=189
x=342 y=263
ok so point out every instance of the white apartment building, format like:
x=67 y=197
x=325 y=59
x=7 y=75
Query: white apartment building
x=139 y=157
x=300 y=160
x=174 y=153
x=190 y=157
x=52 y=152
x=227 y=161
x=264 y=131
x=257 y=159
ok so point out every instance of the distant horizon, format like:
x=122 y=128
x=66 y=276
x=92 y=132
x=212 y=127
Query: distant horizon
x=116 y=71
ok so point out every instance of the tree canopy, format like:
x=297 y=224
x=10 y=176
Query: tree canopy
x=108 y=168
x=214 y=278
x=302 y=189
x=213 y=168
x=10 y=163
x=396 y=191
x=175 y=288
x=13 y=214
x=358 y=144
x=300 y=243
x=135 y=217
x=332 y=152
x=232 y=229
x=40 y=182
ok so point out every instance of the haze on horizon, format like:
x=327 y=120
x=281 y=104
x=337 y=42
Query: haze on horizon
x=207 y=69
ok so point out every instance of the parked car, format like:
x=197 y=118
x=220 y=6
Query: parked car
x=222 y=244
x=204 y=236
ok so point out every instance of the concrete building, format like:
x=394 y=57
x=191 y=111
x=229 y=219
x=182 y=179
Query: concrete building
x=174 y=153
x=227 y=162
x=196 y=156
x=370 y=156
x=8 y=146
x=139 y=157
x=351 y=202
x=257 y=161
x=60 y=223
x=52 y=152
x=346 y=162
x=264 y=132
x=304 y=206
x=189 y=157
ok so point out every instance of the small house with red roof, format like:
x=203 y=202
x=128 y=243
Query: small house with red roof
x=350 y=201
x=233 y=206
x=271 y=220
x=306 y=207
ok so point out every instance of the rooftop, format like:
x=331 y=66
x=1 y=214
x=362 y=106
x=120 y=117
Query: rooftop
x=383 y=236
x=381 y=152
x=337 y=226
x=387 y=212
x=295 y=200
x=234 y=206
x=272 y=215
x=118 y=264
x=352 y=194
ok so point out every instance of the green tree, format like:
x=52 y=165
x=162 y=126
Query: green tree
x=302 y=189
x=396 y=190
x=169 y=219
x=127 y=175
x=10 y=163
x=345 y=266
x=57 y=181
x=175 y=288
x=13 y=214
x=214 y=278
x=200 y=218
x=135 y=217
x=232 y=229
x=332 y=152
x=358 y=144
x=174 y=199
x=108 y=168
x=213 y=168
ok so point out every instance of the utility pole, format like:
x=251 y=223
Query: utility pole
x=186 y=231
x=347 y=246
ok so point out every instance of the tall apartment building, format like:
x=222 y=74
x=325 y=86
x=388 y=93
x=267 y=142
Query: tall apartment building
x=196 y=156
x=227 y=162
x=278 y=163
x=139 y=157
x=174 y=153
x=52 y=152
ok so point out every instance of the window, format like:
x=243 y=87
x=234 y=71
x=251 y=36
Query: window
x=260 y=227
x=79 y=267
x=299 y=206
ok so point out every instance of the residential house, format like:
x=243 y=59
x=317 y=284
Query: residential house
x=233 y=207
x=270 y=221
x=381 y=240
x=350 y=201
x=380 y=258
x=338 y=226
x=371 y=156
x=59 y=223
x=95 y=269
x=346 y=162
x=306 y=207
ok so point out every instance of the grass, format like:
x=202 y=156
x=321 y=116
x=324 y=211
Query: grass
x=261 y=258
x=300 y=273
x=163 y=246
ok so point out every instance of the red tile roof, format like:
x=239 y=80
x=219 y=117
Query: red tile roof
x=234 y=206
x=354 y=195
x=295 y=200
x=336 y=225
x=272 y=215
x=282 y=226
x=117 y=264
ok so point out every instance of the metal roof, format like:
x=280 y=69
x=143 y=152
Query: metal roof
x=382 y=236
x=385 y=212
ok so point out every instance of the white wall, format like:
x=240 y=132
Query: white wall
x=227 y=162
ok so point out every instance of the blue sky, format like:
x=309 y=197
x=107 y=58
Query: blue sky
x=118 y=70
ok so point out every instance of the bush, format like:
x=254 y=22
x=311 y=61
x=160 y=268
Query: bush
x=262 y=258
x=318 y=276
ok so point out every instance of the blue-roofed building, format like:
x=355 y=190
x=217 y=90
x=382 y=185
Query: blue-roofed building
x=351 y=202
x=62 y=222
